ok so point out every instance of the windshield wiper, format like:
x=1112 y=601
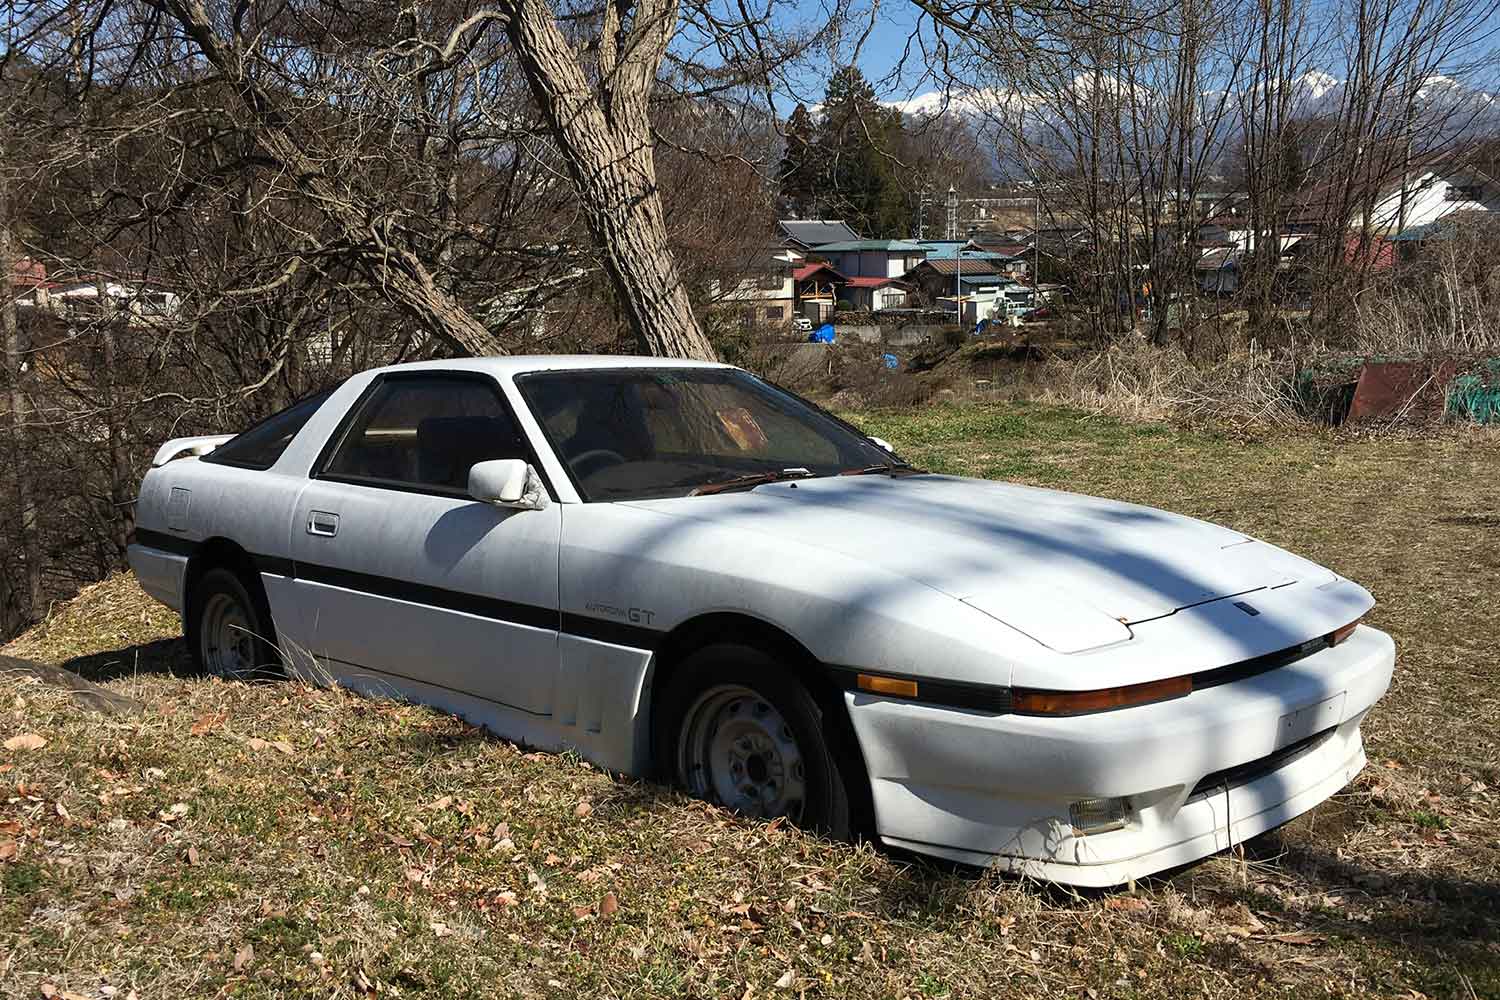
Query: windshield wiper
x=892 y=469
x=751 y=481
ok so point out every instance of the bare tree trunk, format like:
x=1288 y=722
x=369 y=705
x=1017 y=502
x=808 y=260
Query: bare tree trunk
x=120 y=515
x=15 y=364
x=604 y=133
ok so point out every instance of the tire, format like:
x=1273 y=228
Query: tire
x=739 y=729
x=229 y=628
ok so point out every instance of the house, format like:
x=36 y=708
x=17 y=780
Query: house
x=871 y=258
x=1431 y=195
x=817 y=290
x=1218 y=271
x=1410 y=243
x=802 y=235
x=28 y=282
x=765 y=294
x=872 y=293
x=141 y=302
x=1428 y=192
x=936 y=277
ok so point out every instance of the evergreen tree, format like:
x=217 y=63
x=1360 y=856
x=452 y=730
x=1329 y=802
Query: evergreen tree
x=856 y=138
x=800 y=166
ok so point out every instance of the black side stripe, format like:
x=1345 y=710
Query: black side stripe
x=494 y=608
x=617 y=633
x=438 y=597
x=165 y=542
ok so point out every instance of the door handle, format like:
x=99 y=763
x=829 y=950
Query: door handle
x=321 y=522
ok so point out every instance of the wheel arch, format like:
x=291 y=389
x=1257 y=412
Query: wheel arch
x=716 y=628
x=216 y=553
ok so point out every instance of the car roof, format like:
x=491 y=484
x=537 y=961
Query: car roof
x=519 y=364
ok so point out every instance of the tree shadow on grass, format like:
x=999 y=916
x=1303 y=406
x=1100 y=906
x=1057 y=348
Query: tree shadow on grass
x=161 y=656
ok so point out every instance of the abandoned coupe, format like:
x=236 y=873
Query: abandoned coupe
x=681 y=570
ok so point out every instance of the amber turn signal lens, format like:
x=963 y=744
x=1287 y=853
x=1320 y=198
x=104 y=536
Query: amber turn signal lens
x=886 y=685
x=1339 y=635
x=1034 y=702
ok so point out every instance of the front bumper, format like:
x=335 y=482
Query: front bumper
x=995 y=789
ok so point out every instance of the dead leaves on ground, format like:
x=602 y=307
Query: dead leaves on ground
x=26 y=741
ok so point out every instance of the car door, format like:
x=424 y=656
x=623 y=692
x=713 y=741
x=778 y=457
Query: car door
x=401 y=574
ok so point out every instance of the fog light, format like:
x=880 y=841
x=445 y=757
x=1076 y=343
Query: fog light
x=1098 y=815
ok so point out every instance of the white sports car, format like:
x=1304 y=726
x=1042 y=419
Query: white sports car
x=681 y=570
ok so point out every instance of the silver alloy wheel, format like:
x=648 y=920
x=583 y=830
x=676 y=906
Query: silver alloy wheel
x=227 y=643
x=736 y=749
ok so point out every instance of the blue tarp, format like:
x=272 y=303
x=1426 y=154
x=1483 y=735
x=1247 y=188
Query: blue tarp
x=822 y=335
x=891 y=361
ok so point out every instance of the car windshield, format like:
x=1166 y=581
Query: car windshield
x=637 y=433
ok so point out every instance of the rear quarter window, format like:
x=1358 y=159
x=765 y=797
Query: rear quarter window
x=261 y=445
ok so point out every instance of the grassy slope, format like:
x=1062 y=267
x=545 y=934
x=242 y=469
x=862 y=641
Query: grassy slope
x=270 y=839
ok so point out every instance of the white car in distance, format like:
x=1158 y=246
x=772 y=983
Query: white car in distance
x=683 y=571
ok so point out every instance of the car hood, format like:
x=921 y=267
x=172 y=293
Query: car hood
x=1070 y=571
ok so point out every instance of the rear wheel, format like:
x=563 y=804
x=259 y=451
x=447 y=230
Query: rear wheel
x=229 y=628
x=740 y=730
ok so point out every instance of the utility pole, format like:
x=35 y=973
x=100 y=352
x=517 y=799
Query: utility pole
x=952 y=204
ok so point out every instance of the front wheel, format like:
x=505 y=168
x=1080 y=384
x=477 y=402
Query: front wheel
x=229 y=628
x=740 y=730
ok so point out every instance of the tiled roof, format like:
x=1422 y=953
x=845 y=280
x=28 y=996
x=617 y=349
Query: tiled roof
x=872 y=282
x=808 y=270
x=810 y=232
x=968 y=265
x=855 y=246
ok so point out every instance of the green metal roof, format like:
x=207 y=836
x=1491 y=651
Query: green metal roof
x=856 y=246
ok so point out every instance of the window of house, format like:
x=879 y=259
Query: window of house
x=771 y=282
x=261 y=446
x=1463 y=192
x=426 y=433
x=775 y=312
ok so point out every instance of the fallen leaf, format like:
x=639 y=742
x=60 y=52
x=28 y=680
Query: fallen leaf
x=1127 y=903
x=206 y=723
x=787 y=979
x=192 y=855
x=442 y=803
x=10 y=826
x=25 y=741
x=552 y=860
x=62 y=811
x=174 y=812
x=284 y=747
x=580 y=912
x=501 y=831
x=609 y=904
x=507 y=898
x=397 y=840
x=7 y=850
x=440 y=929
x=244 y=956
x=257 y=744
x=48 y=991
x=583 y=808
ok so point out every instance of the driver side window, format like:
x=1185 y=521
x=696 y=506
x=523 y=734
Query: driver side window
x=425 y=433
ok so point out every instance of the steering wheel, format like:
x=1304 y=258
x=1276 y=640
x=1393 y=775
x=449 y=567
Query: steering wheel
x=595 y=455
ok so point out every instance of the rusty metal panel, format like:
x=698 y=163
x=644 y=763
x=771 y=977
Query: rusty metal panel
x=1411 y=389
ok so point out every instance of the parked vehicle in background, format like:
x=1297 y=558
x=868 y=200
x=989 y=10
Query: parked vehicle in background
x=680 y=570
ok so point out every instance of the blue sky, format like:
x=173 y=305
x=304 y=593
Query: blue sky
x=882 y=49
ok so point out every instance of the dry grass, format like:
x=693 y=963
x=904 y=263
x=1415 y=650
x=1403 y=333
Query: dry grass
x=271 y=839
x=1136 y=381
